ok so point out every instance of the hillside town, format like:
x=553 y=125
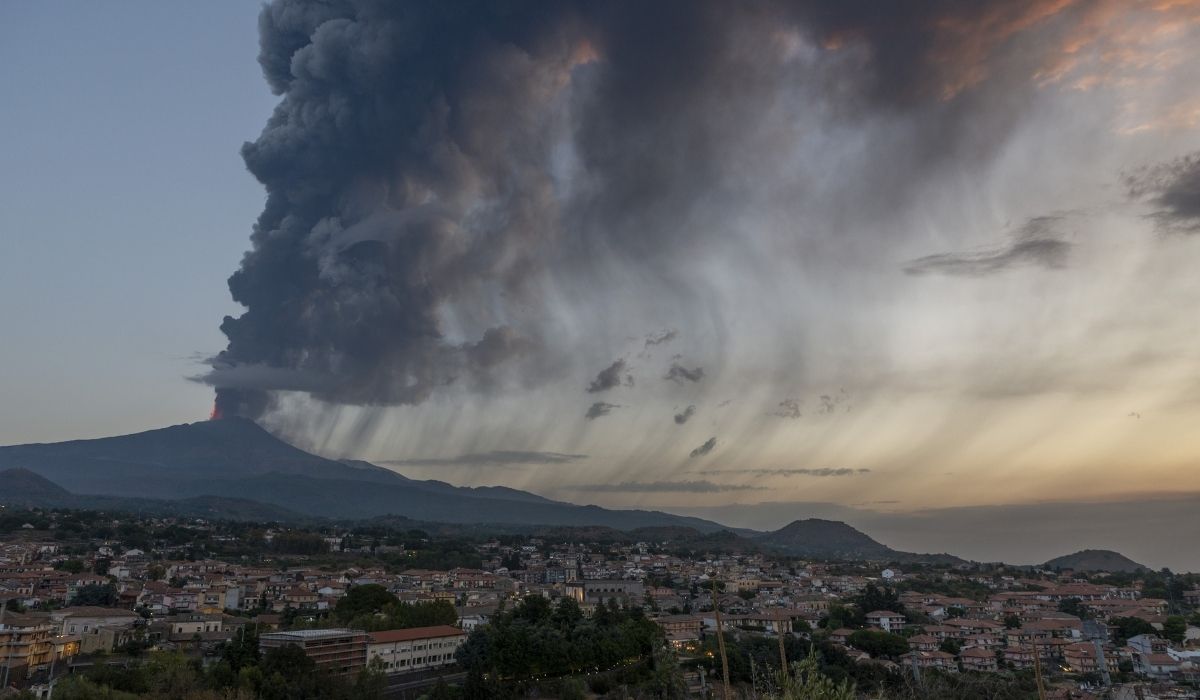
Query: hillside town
x=83 y=591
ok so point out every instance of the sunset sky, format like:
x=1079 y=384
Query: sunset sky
x=684 y=256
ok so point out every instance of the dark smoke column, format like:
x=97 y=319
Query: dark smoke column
x=405 y=170
x=408 y=166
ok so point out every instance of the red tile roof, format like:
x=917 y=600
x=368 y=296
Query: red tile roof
x=408 y=635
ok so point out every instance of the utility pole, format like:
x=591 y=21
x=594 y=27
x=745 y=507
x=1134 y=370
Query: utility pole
x=721 y=641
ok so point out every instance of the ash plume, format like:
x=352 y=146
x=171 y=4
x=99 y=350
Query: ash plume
x=610 y=377
x=600 y=408
x=660 y=338
x=679 y=373
x=1173 y=189
x=414 y=180
x=708 y=446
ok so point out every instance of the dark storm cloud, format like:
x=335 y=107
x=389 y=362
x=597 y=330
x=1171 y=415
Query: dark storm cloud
x=679 y=373
x=600 y=408
x=708 y=446
x=660 y=338
x=822 y=471
x=935 y=48
x=408 y=164
x=685 y=415
x=667 y=487
x=497 y=345
x=1173 y=189
x=609 y=377
x=1037 y=244
x=491 y=459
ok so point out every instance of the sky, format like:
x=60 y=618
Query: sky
x=684 y=256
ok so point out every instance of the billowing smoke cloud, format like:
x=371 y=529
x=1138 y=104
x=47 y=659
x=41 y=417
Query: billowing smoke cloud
x=472 y=209
x=609 y=377
x=708 y=446
x=423 y=163
x=679 y=373
x=1173 y=189
x=599 y=409
x=685 y=415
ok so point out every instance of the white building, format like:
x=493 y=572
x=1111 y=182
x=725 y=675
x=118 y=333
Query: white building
x=886 y=620
x=416 y=649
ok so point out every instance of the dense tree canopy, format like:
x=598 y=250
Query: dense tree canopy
x=878 y=643
x=103 y=594
x=537 y=638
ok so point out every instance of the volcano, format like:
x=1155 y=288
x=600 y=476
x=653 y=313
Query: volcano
x=234 y=457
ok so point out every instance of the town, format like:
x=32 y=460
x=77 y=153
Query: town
x=98 y=603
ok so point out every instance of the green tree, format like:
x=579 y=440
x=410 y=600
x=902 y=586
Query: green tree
x=297 y=542
x=71 y=566
x=242 y=649
x=807 y=682
x=1175 y=628
x=874 y=598
x=840 y=616
x=1072 y=606
x=371 y=681
x=878 y=643
x=367 y=599
x=1012 y=622
x=104 y=595
x=1127 y=627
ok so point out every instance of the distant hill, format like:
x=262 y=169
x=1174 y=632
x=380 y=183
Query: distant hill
x=235 y=458
x=824 y=538
x=832 y=539
x=1095 y=560
x=23 y=487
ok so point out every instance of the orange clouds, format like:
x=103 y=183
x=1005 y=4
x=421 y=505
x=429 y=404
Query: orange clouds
x=1116 y=42
x=1075 y=43
x=965 y=45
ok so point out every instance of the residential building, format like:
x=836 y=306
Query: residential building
x=977 y=659
x=339 y=651
x=415 y=649
x=886 y=620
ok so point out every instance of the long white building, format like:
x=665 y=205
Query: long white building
x=415 y=649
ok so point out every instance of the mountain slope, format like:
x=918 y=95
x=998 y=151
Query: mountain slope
x=824 y=538
x=21 y=487
x=155 y=463
x=832 y=539
x=1095 y=560
x=234 y=458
